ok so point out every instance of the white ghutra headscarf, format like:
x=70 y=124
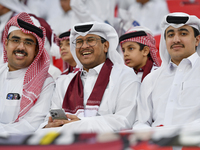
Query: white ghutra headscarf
x=175 y=20
x=102 y=29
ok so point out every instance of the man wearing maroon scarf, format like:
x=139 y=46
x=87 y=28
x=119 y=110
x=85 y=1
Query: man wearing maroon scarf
x=101 y=96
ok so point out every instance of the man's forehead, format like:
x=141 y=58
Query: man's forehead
x=20 y=34
x=65 y=40
x=88 y=35
x=171 y=28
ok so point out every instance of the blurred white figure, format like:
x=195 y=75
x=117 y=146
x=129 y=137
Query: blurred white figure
x=149 y=13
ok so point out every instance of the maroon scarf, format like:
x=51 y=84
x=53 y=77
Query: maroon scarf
x=146 y=69
x=73 y=100
x=69 y=70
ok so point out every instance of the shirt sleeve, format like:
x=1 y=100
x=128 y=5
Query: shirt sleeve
x=144 y=107
x=35 y=116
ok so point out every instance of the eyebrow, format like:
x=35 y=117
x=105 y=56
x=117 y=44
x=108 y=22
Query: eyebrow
x=181 y=29
x=129 y=45
x=27 y=39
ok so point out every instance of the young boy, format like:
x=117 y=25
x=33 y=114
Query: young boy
x=69 y=63
x=140 y=53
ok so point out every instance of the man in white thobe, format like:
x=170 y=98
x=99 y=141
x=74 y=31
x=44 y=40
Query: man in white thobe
x=25 y=85
x=102 y=107
x=170 y=95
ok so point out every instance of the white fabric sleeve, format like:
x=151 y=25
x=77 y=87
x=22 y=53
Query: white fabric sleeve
x=144 y=107
x=82 y=12
x=35 y=116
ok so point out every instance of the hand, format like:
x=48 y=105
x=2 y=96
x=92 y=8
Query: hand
x=54 y=123
x=58 y=123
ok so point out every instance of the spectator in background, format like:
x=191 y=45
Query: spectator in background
x=140 y=52
x=62 y=22
x=25 y=86
x=149 y=13
x=69 y=63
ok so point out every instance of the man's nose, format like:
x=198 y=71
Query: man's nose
x=176 y=38
x=21 y=45
x=84 y=44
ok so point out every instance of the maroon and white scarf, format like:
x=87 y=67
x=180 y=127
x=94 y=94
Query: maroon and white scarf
x=37 y=72
x=146 y=69
x=73 y=100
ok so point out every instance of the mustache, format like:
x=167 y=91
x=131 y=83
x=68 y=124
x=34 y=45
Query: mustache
x=87 y=49
x=177 y=45
x=20 y=51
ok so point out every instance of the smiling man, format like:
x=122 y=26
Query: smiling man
x=25 y=85
x=170 y=95
x=101 y=97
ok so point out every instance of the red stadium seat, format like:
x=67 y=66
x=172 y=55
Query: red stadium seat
x=192 y=8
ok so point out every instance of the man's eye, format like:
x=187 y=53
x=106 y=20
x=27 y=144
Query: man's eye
x=79 y=41
x=170 y=35
x=90 y=39
x=183 y=33
x=28 y=43
x=15 y=40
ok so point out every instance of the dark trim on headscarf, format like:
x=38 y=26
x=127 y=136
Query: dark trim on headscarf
x=65 y=34
x=177 y=19
x=83 y=28
x=132 y=35
x=30 y=27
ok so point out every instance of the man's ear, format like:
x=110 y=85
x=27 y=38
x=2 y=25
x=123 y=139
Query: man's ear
x=146 y=50
x=36 y=50
x=106 y=46
x=197 y=40
x=6 y=44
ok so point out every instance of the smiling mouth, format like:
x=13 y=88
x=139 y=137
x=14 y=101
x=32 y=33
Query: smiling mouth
x=20 y=53
x=86 y=53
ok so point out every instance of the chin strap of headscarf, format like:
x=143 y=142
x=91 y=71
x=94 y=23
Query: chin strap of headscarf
x=37 y=72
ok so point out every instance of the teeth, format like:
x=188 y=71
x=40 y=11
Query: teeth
x=19 y=54
x=86 y=53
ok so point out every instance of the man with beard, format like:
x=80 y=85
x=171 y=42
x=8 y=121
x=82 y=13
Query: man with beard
x=26 y=86
x=170 y=95
x=101 y=96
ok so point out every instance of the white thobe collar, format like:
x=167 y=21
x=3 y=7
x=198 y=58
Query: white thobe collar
x=97 y=69
x=15 y=74
x=191 y=61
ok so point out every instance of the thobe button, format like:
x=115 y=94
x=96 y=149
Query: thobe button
x=180 y=70
x=171 y=100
